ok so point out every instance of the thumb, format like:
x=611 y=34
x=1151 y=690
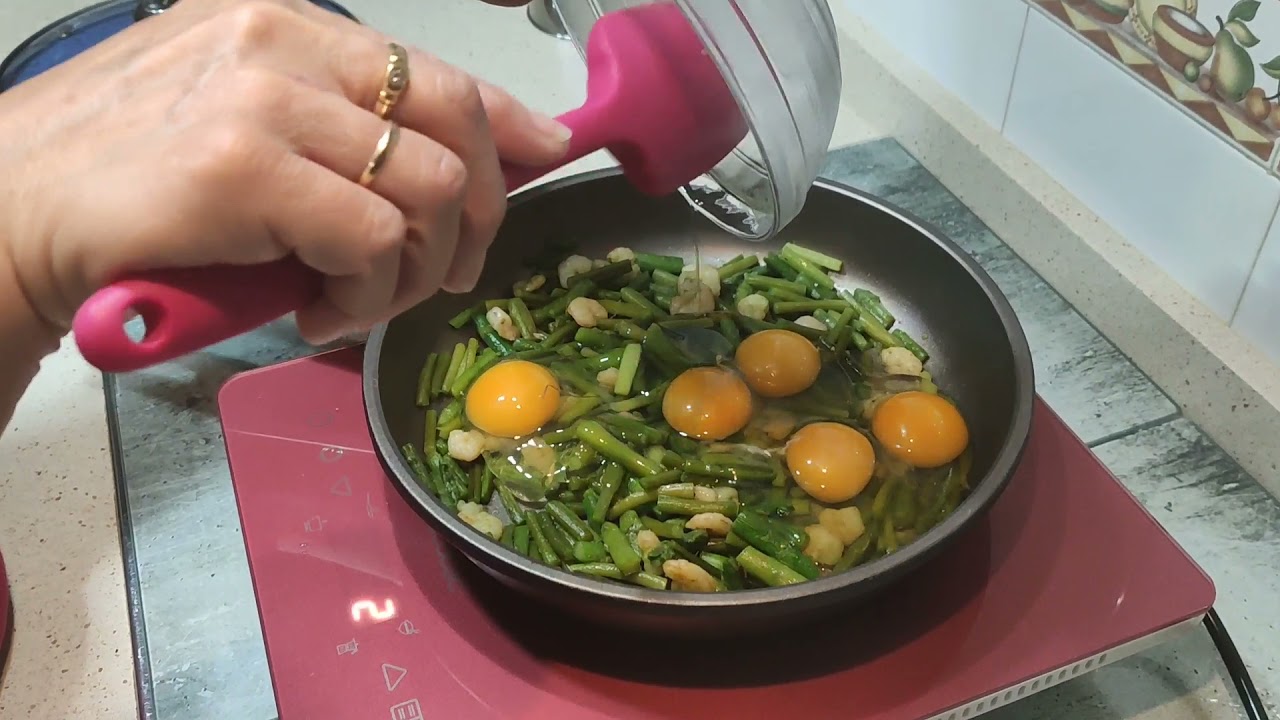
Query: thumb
x=522 y=136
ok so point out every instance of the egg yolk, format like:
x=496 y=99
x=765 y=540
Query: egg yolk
x=513 y=399
x=920 y=429
x=829 y=461
x=778 y=363
x=707 y=403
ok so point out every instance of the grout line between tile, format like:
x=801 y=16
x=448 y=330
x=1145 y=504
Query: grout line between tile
x=1122 y=434
x=1017 y=62
x=1253 y=266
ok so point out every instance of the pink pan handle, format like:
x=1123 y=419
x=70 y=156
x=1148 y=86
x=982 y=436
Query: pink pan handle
x=186 y=310
x=190 y=309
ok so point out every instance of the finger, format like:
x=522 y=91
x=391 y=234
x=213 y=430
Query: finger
x=445 y=102
x=522 y=136
x=330 y=223
x=285 y=204
x=421 y=176
x=419 y=278
x=450 y=106
x=360 y=256
x=350 y=304
x=313 y=180
x=466 y=269
x=427 y=181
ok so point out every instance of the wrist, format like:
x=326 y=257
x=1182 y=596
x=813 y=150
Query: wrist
x=22 y=329
x=26 y=336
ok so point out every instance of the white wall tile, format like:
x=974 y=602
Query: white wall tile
x=1258 y=318
x=1177 y=191
x=969 y=46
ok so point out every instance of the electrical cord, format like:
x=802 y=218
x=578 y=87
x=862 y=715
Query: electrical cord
x=1249 y=698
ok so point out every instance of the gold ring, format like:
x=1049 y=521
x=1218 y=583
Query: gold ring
x=394 y=81
x=386 y=144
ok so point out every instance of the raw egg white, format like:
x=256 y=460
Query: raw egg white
x=920 y=429
x=778 y=363
x=707 y=403
x=829 y=461
x=513 y=399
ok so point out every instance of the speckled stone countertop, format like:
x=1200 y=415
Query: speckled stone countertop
x=200 y=648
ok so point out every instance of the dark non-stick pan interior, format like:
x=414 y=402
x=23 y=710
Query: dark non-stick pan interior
x=979 y=357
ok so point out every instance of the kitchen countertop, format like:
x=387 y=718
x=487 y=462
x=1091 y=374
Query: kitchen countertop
x=73 y=654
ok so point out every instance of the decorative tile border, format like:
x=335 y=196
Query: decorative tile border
x=1205 y=56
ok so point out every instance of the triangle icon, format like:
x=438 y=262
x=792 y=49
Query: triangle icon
x=393 y=674
x=342 y=488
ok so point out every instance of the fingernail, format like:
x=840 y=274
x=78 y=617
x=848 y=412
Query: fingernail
x=458 y=287
x=332 y=335
x=551 y=127
x=355 y=336
x=322 y=339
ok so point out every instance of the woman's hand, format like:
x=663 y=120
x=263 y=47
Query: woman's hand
x=234 y=131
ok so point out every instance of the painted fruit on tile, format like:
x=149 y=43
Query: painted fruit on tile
x=1256 y=104
x=1232 y=68
x=1143 y=15
x=1181 y=40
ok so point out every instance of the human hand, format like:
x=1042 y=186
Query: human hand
x=233 y=131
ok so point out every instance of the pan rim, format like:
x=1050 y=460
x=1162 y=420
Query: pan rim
x=986 y=491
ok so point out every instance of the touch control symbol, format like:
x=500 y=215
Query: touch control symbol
x=392 y=675
x=330 y=454
x=314 y=524
x=350 y=647
x=408 y=628
x=320 y=419
x=341 y=487
x=407 y=710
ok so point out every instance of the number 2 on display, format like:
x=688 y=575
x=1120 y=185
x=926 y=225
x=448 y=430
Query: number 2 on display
x=368 y=608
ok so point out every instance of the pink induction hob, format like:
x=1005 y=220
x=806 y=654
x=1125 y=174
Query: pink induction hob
x=368 y=614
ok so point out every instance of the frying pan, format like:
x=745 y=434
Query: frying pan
x=979 y=357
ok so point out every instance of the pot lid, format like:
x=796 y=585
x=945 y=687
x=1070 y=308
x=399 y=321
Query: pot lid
x=781 y=61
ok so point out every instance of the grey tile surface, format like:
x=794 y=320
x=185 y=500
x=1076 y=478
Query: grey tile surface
x=1231 y=527
x=202 y=629
x=886 y=170
x=1225 y=520
x=206 y=654
x=1094 y=387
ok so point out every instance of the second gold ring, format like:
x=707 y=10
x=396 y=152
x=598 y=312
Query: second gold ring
x=381 y=152
x=395 y=80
